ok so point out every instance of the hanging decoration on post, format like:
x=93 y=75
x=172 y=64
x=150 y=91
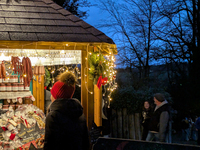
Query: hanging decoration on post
x=101 y=71
x=47 y=78
x=98 y=66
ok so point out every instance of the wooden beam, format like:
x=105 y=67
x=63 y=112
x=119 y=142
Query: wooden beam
x=56 y=45
x=98 y=105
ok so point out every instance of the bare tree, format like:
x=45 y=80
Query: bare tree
x=132 y=22
x=181 y=33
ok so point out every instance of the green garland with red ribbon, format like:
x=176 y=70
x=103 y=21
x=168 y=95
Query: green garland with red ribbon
x=98 y=68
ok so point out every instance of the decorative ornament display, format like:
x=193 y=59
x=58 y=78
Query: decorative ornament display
x=22 y=127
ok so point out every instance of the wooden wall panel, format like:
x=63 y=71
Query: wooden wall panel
x=38 y=92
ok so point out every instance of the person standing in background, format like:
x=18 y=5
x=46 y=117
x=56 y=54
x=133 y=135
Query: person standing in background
x=146 y=115
x=158 y=126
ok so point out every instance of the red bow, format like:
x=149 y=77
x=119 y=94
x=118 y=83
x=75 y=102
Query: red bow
x=101 y=81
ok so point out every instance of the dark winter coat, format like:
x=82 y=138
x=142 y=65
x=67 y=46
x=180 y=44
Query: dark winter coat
x=66 y=126
x=146 y=116
x=160 y=120
x=197 y=123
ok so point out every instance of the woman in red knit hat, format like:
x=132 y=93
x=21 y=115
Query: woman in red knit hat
x=65 y=123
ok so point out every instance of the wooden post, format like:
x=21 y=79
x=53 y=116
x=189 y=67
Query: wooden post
x=131 y=120
x=119 y=116
x=38 y=92
x=125 y=124
x=35 y=91
x=42 y=100
x=137 y=127
x=98 y=105
x=114 y=123
x=87 y=99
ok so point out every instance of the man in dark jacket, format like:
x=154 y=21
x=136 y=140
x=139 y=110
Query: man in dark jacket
x=65 y=123
x=160 y=119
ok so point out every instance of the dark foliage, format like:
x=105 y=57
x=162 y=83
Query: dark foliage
x=74 y=6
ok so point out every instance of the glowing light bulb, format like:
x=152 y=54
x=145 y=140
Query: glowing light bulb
x=91 y=92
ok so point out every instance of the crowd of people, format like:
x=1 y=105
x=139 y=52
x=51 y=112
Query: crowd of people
x=190 y=128
x=155 y=122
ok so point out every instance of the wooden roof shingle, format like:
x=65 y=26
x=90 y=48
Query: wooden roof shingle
x=44 y=20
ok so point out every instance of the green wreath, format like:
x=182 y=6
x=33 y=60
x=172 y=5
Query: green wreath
x=98 y=65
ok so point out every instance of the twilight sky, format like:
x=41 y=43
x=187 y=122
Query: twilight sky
x=95 y=16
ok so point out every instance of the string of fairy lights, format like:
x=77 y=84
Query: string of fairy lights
x=108 y=65
x=65 y=68
x=109 y=72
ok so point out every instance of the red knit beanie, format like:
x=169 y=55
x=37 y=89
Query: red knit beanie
x=62 y=90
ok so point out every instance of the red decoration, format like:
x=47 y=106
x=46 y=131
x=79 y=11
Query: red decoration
x=27 y=145
x=104 y=81
x=33 y=142
x=45 y=87
x=95 y=49
x=12 y=136
x=99 y=82
x=4 y=128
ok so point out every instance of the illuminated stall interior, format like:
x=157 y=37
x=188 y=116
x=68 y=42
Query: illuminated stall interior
x=50 y=35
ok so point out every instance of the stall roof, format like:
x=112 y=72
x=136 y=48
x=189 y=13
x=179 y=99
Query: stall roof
x=44 y=20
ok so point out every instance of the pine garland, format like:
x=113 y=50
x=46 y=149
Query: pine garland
x=98 y=65
x=47 y=77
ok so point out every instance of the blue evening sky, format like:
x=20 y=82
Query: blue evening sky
x=95 y=17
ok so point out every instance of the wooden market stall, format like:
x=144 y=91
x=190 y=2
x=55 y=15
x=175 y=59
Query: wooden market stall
x=43 y=25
